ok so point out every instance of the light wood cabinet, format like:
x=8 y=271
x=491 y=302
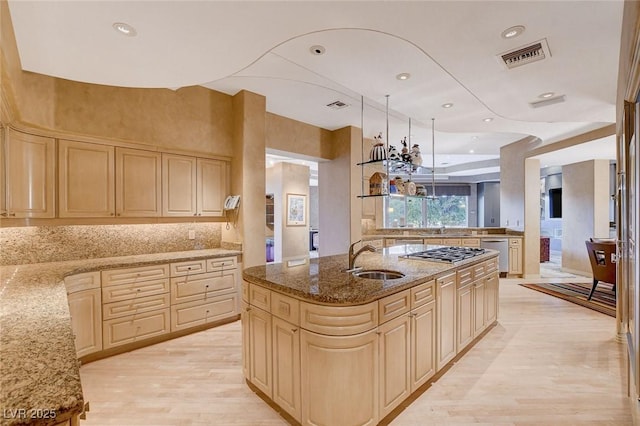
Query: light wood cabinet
x=423 y=344
x=286 y=366
x=260 y=353
x=446 y=311
x=86 y=179
x=464 y=307
x=30 y=165
x=395 y=340
x=193 y=186
x=85 y=308
x=246 y=343
x=327 y=364
x=203 y=311
x=179 y=188
x=515 y=256
x=138 y=183
x=479 y=303
x=134 y=328
x=491 y=298
x=211 y=187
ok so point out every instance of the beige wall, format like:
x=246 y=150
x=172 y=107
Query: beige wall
x=531 y=244
x=585 y=210
x=291 y=242
x=287 y=135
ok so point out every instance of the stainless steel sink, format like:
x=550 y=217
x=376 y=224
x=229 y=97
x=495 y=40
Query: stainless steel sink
x=379 y=274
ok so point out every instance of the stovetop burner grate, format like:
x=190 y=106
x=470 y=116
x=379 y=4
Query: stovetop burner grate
x=447 y=254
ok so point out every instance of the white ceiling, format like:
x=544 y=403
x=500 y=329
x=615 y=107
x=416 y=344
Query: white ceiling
x=450 y=48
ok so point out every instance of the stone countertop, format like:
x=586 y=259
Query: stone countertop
x=39 y=369
x=323 y=281
x=369 y=237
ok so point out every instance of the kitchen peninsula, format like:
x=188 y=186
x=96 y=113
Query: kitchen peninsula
x=324 y=346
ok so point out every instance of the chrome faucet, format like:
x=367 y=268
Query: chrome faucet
x=353 y=256
x=442 y=229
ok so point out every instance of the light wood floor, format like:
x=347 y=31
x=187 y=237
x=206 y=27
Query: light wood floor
x=547 y=362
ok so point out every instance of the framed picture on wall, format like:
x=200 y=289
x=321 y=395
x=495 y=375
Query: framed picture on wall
x=296 y=210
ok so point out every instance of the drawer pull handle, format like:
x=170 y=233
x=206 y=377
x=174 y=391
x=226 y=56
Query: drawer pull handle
x=293 y=330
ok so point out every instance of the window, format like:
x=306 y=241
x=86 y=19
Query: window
x=450 y=208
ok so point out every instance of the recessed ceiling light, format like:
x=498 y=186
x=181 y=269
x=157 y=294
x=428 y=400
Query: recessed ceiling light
x=403 y=76
x=471 y=151
x=125 y=29
x=447 y=105
x=475 y=138
x=444 y=163
x=546 y=95
x=513 y=31
x=488 y=120
x=317 y=50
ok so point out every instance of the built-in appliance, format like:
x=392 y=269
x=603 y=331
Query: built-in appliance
x=501 y=245
x=447 y=254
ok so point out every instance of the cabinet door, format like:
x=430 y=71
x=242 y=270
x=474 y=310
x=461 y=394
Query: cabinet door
x=515 y=256
x=178 y=185
x=30 y=175
x=86 y=320
x=465 y=316
x=395 y=363
x=212 y=187
x=286 y=367
x=86 y=180
x=138 y=183
x=135 y=328
x=246 y=344
x=260 y=370
x=423 y=344
x=446 y=325
x=491 y=298
x=339 y=378
x=479 y=316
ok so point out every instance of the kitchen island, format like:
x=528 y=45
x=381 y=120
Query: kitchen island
x=324 y=346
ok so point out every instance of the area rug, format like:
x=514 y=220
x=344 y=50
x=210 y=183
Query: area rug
x=603 y=300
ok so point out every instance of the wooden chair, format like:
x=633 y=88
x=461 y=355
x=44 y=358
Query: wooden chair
x=601 y=255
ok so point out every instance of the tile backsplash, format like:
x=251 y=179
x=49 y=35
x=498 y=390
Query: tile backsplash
x=38 y=244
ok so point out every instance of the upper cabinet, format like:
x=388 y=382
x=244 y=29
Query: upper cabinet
x=86 y=179
x=44 y=177
x=212 y=185
x=193 y=186
x=30 y=165
x=138 y=183
x=178 y=185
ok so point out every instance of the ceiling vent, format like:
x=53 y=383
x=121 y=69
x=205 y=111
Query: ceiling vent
x=534 y=52
x=337 y=105
x=547 y=102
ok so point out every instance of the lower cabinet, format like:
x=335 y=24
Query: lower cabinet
x=446 y=311
x=479 y=302
x=260 y=355
x=423 y=344
x=133 y=328
x=491 y=298
x=464 y=307
x=339 y=378
x=395 y=362
x=286 y=366
x=85 y=307
x=199 y=312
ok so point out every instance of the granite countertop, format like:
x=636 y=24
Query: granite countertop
x=39 y=369
x=323 y=281
x=369 y=237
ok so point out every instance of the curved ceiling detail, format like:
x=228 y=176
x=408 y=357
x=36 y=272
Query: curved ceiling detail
x=451 y=50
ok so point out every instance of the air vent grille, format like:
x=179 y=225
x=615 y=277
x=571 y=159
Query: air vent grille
x=545 y=102
x=337 y=105
x=535 y=52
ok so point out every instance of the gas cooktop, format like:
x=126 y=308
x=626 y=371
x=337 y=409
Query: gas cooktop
x=447 y=254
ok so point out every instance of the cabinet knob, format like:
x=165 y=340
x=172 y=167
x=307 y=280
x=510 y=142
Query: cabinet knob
x=12 y=214
x=4 y=214
x=110 y=214
x=293 y=330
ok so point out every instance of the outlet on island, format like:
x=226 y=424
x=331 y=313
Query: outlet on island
x=192 y=234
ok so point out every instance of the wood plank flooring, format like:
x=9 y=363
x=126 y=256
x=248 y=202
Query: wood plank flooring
x=547 y=362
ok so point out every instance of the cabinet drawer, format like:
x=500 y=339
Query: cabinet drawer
x=134 y=290
x=191 y=314
x=221 y=263
x=260 y=297
x=338 y=320
x=79 y=282
x=471 y=242
x=285 y=307
x=134 y=328
x=188 y=268
x=433 y=241
x=514 y=242
x=454 y=242
x=491 y=265
x=184 y=289
x=478 y=270
x=389 y=242
x=465 y=276
x=423 y=293
x=395 y=305
x=135 y=306
x=133 y=275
